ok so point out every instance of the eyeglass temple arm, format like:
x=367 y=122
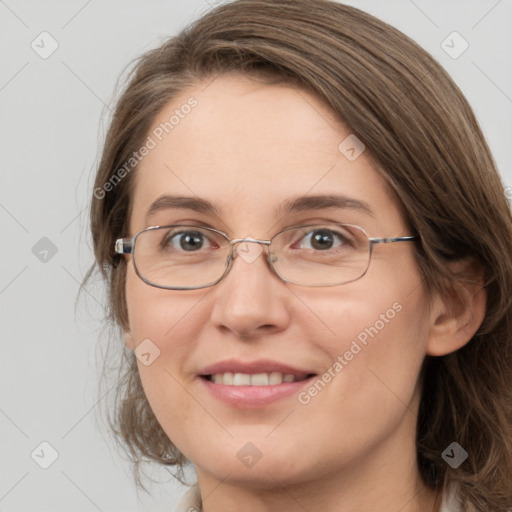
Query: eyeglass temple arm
x=123 y=246
x=391 y=239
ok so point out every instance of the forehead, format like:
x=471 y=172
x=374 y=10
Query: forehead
x=248 y=147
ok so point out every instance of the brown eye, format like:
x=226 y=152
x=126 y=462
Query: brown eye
x=324 y=239
x=187 y=241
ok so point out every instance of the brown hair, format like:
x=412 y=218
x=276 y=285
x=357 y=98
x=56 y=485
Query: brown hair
x=424 y=139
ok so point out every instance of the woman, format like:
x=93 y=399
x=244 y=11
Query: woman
x=307 y=248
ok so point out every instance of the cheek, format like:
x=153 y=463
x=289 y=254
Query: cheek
x=164 y=325
x=376 y=353
x=162 y=315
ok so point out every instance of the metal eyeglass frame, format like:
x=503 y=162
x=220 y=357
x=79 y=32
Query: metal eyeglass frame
x=126 y=246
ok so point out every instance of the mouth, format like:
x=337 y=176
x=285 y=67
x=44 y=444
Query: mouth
x=255 y=379
x=253 y=384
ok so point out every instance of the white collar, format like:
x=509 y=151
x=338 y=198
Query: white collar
x=190 y=501
x=450 y=502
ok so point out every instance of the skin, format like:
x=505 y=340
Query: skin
x=247 y=147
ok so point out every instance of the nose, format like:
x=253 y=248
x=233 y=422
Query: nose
x=251 y=299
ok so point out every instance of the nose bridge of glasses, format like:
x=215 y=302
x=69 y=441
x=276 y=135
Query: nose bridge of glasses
x=235 y=241
x=255 y=240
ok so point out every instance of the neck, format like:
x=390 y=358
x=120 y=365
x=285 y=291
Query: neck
x=318 y=496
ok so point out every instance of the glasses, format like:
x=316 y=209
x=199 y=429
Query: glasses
x=185 y=257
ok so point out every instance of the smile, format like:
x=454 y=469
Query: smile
x=256 y=379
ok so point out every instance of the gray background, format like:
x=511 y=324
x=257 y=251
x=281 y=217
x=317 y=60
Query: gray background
x=51 y=131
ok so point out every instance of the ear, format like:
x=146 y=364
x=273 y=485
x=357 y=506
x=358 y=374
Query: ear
x=455 y=318
x=128 y=340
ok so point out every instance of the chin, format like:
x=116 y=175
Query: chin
x=257 y=464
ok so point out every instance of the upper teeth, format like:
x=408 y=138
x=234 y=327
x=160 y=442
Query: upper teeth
x=257 y=379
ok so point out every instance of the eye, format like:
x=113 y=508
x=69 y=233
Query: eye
x=324 y=239
x=188 y=241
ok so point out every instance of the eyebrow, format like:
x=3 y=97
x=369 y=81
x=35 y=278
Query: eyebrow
x=319 y=202
x=294 y=204
x=197 y=204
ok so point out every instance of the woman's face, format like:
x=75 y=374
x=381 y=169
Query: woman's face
x=249 y=148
